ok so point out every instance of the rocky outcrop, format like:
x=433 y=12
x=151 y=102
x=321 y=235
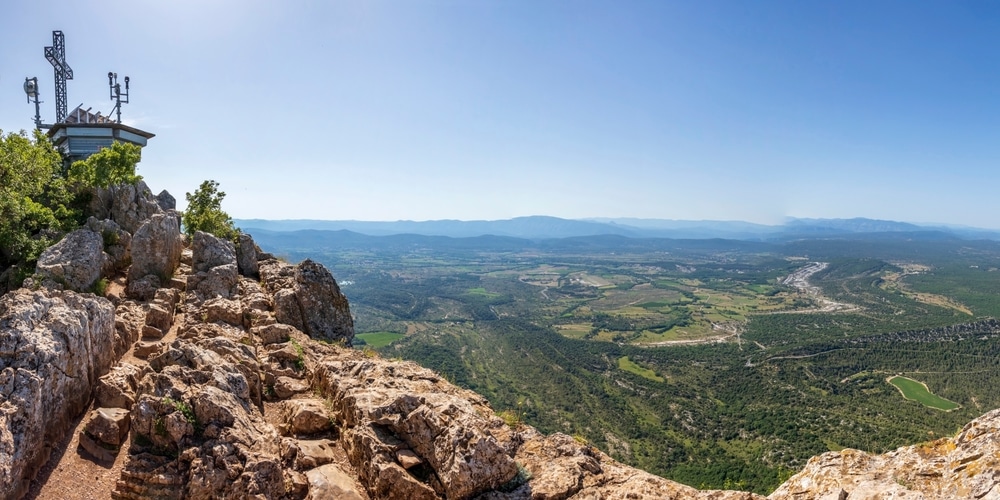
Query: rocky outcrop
x=214 y=267
x=117 y=244
x=156 y=253
x=307 y=297
x=965 y=466
x=246 y=256
x=75 y=262
x=54 y=346
x=132 y=205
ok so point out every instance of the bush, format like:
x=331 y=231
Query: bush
x=204 y=213
x=108 y=167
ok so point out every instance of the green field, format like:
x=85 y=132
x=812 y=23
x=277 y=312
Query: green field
x=379 y=339
x=632 y=367
x=917 y=391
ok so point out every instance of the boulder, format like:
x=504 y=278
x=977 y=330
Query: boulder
x=166 y=201
x=143 y=288
x=303 y=417
x=156 y=249
x=307 y=297
x=116 y=389
x=208 y=251
x=329 y=481
x=159 y=315
x=286 y=387
x=54 y=346
x=117 y=244
x=76 y=262
x=108 y=426
x=313 y=453
x=246 y=256
x=274 y=333
x=132 y=205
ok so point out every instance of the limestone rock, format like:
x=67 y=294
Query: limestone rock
x=384 y=406
x=108 y=425
x=54 y=346
x=329 y=481
x=166 y=201
x=159 y=315
x=313 y=453
x=246 y=256
x=116 y=389
x=307 y=297
x=156 y=248
x=143 y=288
x=76 y=261
x=219 y=281
x=304 y=416
x=208 y=251
x=273 y=334
x=117 y=244
x=965 y=466
x=132 y=205
x=130 y=318
x=286 y=387
x=220 y=309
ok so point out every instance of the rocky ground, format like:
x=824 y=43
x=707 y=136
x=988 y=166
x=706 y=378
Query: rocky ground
x=213 y=370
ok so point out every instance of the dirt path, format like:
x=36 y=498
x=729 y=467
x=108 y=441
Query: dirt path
x=71 y=473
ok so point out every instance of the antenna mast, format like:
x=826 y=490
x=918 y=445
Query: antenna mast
x=117 y=94
x=56 y=55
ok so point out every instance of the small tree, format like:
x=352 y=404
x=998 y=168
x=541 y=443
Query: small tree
x=108 y=167
x=204 y=212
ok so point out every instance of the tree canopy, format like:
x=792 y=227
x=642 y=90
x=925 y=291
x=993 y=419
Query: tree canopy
x=204 y=212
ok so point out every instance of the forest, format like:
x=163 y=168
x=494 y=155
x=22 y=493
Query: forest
x=692 y=359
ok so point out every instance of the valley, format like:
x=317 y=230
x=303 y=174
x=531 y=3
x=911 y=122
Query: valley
x=716 y=363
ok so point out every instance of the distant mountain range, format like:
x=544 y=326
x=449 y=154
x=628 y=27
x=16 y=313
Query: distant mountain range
x=544 y=227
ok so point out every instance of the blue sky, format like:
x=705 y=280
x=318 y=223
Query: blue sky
x=493 y=109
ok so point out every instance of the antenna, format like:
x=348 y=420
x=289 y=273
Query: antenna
x=31 y=90
x=56 y=55
x=117 y=94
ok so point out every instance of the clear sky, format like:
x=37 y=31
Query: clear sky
x=490 y=109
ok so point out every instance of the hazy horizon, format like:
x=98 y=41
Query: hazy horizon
x=486 y=110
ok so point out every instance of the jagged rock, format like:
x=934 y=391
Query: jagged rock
x=274 y=333
x=156 y=249
x=314 y=453
x=253 y=297
x=108 y=425
x=965 y=466
x=130 y=318
x=166 y=201
x=307 y=297
x=143 y=288
x=117 y=244
x=151 y=333
x=246 y=256
x=304 y=416
x=95 y=449
x=76 y=261
x=380 y=403
x=168 y=296
x=195 y=385
x=219 y=281
x=54 y=346
x=116 y=389
x=286 y=387
x=159 y=315
x=147 y=348
x=208 y=251
x=220 y=309
x=408 y=459
x=132 y=205
x=329 y=481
